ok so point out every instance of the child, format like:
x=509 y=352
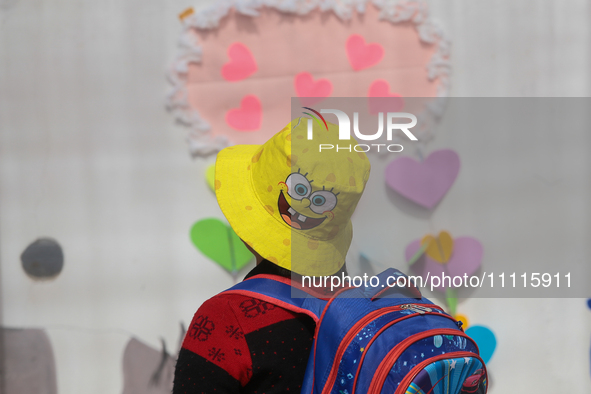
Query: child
x=291 y=203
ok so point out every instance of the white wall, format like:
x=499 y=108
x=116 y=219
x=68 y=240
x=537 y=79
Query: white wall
x=90 y=157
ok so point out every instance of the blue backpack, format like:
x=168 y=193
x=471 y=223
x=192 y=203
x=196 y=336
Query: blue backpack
x=378 y=340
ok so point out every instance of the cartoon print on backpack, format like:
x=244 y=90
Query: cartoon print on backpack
x=458 y=375
x=367 y=332
x=475 y=383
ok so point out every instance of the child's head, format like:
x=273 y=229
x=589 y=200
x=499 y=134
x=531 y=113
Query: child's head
x=291 y=202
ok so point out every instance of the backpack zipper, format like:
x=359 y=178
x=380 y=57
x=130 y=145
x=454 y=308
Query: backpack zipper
x=388 y=362
x=348 y=338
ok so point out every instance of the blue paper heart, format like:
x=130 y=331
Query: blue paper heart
x=485 y=339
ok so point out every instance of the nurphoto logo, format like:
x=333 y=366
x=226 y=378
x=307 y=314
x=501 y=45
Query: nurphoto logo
x=344 y=122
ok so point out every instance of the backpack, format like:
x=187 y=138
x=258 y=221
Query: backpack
x=378 y=340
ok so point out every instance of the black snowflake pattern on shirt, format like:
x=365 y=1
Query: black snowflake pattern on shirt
x=234 y=332
x=216 y=354
x=202 y=328
x=253 y=307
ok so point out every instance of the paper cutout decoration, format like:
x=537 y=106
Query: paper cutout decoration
x=440 y=248
x=219 y=242
x=303 y=48
x=451 y=299
x=43 y=259
x=28 y=362
x=485 y=339
x=312 y=91
x=241 y=65
x=146 y=370
x=381 y=88
x=465 y=258
x=210 y=177
x=248 y=116
x=418 y=254
x=362 y=55
x=427 y=182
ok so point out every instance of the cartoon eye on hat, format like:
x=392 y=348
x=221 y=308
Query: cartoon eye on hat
x=322 y=201
x=298 y=187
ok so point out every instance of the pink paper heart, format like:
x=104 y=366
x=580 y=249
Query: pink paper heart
x=381 y=100
x=248 y=117
x=311 y=91
x=362 y=55
x=241 y=64
x=427 y=182
x=465 y=260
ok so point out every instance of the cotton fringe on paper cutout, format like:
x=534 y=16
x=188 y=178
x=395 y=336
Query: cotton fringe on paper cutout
x=271 y=50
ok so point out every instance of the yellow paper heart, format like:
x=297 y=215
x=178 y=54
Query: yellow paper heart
x=210 y=177
x=440 y=248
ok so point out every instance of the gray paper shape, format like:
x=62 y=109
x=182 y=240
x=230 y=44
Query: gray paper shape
x=28 y=362
x=145 y=370
x=43 y=259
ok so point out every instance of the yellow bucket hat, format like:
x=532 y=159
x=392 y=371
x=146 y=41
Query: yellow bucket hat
x=292 y=201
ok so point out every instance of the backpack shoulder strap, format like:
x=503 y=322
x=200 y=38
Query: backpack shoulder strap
x=278 y=291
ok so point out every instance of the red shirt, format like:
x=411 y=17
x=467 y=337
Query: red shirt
x=239 y=344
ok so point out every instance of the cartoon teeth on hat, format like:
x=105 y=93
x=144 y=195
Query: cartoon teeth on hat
x=289 y=201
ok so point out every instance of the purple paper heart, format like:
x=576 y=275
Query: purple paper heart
x=465 y=260
x=424 y=183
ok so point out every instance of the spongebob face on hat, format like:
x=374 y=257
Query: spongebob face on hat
x=312 y=192
x=313 y=208
x=289 y=201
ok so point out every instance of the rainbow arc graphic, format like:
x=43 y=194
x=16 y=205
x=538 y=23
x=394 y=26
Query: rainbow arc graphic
x=316 y=117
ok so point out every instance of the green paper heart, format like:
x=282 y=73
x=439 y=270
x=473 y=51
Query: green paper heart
x=210 y=177
x=219 y=242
